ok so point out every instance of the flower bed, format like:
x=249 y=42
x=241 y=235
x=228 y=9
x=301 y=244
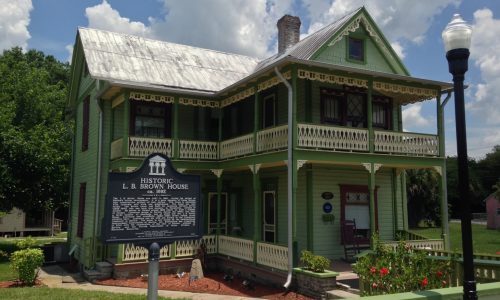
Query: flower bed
x=384 y=271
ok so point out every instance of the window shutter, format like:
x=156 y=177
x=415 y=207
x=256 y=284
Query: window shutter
x=85 y=125
x=81 y=209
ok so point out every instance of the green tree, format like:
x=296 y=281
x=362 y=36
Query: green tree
x=35 y=141
x=422 y=186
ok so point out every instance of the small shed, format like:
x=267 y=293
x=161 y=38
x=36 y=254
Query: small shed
x=493 y=212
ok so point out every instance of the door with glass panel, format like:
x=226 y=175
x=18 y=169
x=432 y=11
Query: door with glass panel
x=212 y=213
x=269 y=216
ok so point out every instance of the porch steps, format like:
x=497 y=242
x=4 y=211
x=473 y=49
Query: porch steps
x=103 y=270
x=340 y=294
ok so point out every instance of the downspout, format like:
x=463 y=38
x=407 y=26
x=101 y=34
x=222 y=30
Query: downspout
x=445 y=179
x=99 y=163
x=290 y=179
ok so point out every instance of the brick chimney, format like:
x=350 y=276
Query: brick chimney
x=288 y=32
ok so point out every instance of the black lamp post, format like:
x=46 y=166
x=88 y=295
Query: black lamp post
x=456 y=37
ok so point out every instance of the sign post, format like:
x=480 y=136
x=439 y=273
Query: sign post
x=151 y=206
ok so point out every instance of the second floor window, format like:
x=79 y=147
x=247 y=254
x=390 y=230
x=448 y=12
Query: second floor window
x=150 y=120
x=381 y=112
x=346 y=108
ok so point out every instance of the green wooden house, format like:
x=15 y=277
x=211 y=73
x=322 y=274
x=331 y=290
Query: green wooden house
x=287 y=147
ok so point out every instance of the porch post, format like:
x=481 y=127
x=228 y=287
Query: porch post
x=175 y=126
x=371 y=190
x=256 y=118
x=404 y=199
x=126 y=123
x=294 y=165
x=371 y=135
x=257 y=214
x=445 y=230
x=219 y=191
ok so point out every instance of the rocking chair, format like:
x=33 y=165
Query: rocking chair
x=350 y=239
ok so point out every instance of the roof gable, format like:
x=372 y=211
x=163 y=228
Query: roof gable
x=362 y=21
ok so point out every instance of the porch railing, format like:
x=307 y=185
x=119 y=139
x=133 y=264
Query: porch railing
x=272 y=139
x=143 y=146
x=332 y=137
x=239 y=146
x=236 y=247
x=406 y=143
x=137 y=253
x=116 y=148
x=271 y=255
x=199 y=150
x=437 y=244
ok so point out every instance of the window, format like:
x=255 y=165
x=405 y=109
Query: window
x=343 y=107
x=498 y=211
x=331 y=107
x=269 y=216
x=150 y=120
x=85 y=124
x=356 y=49
x=269 y=111
x=381 y=109
x=212 y=213
x=81 y=209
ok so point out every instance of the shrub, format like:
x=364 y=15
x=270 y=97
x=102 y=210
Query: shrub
x=27 y=243
x=25 y=263
x=315 y=263
x=384 y=271
x=3 y=256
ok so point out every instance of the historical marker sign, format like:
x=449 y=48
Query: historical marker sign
x=153 y=204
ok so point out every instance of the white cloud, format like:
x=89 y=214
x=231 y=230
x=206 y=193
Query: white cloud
x=485 y=55
x=399 y=20
x=14 y=21
x=103 y=16
x=69 y=48
x=413 y=118
x=398 y=48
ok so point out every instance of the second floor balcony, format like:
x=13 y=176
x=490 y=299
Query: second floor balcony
x=309 y=137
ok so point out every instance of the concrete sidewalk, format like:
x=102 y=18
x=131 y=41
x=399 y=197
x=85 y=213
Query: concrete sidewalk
x=56 y=277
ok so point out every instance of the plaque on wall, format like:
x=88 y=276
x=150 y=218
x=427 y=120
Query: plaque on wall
x=327 y=195
x=155 y=203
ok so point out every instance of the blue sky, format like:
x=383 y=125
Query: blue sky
x=248 y=27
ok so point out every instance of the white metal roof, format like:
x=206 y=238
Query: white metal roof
x=127 y=58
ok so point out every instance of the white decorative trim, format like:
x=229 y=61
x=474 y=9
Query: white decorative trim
x=199 y=102
x=151 y=97
x=117 y=101
x=273 y=81
x=408 y=94
x=371 y=31
x=181 y=170
x=254 y=168
x=334 y=79
x=368 y=166
x=439 y=170
x=217 y=172
x=376 y=167
x=300 y=163
x=237 y=97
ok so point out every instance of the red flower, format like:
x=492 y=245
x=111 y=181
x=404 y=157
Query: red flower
x=374 y=285
x=373 y=270
x=384 y=271
x=424 y=282
x=439 y=274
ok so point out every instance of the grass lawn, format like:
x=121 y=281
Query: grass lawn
x=485 y=241
x=44 y=293
x=6 y=272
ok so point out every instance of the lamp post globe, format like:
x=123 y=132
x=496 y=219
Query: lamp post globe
x=457 y=40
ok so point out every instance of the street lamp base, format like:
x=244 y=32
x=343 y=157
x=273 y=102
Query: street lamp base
x=470 y=290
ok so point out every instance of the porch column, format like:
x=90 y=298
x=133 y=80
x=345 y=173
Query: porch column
x=257 y=213
x=404 y=199
x=371 y=134
x=256 y=118
x=126 y=123
x=372 y=168
x=295 y=165
x=175 y=129
x=445 y=235
x=218 y=173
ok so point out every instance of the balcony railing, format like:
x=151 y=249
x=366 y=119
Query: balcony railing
x=406 y=143
x=332 y=137
x=309 y=136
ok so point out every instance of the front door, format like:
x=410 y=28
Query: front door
x=355 y=205
x=269 y=216
x=212 y=213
